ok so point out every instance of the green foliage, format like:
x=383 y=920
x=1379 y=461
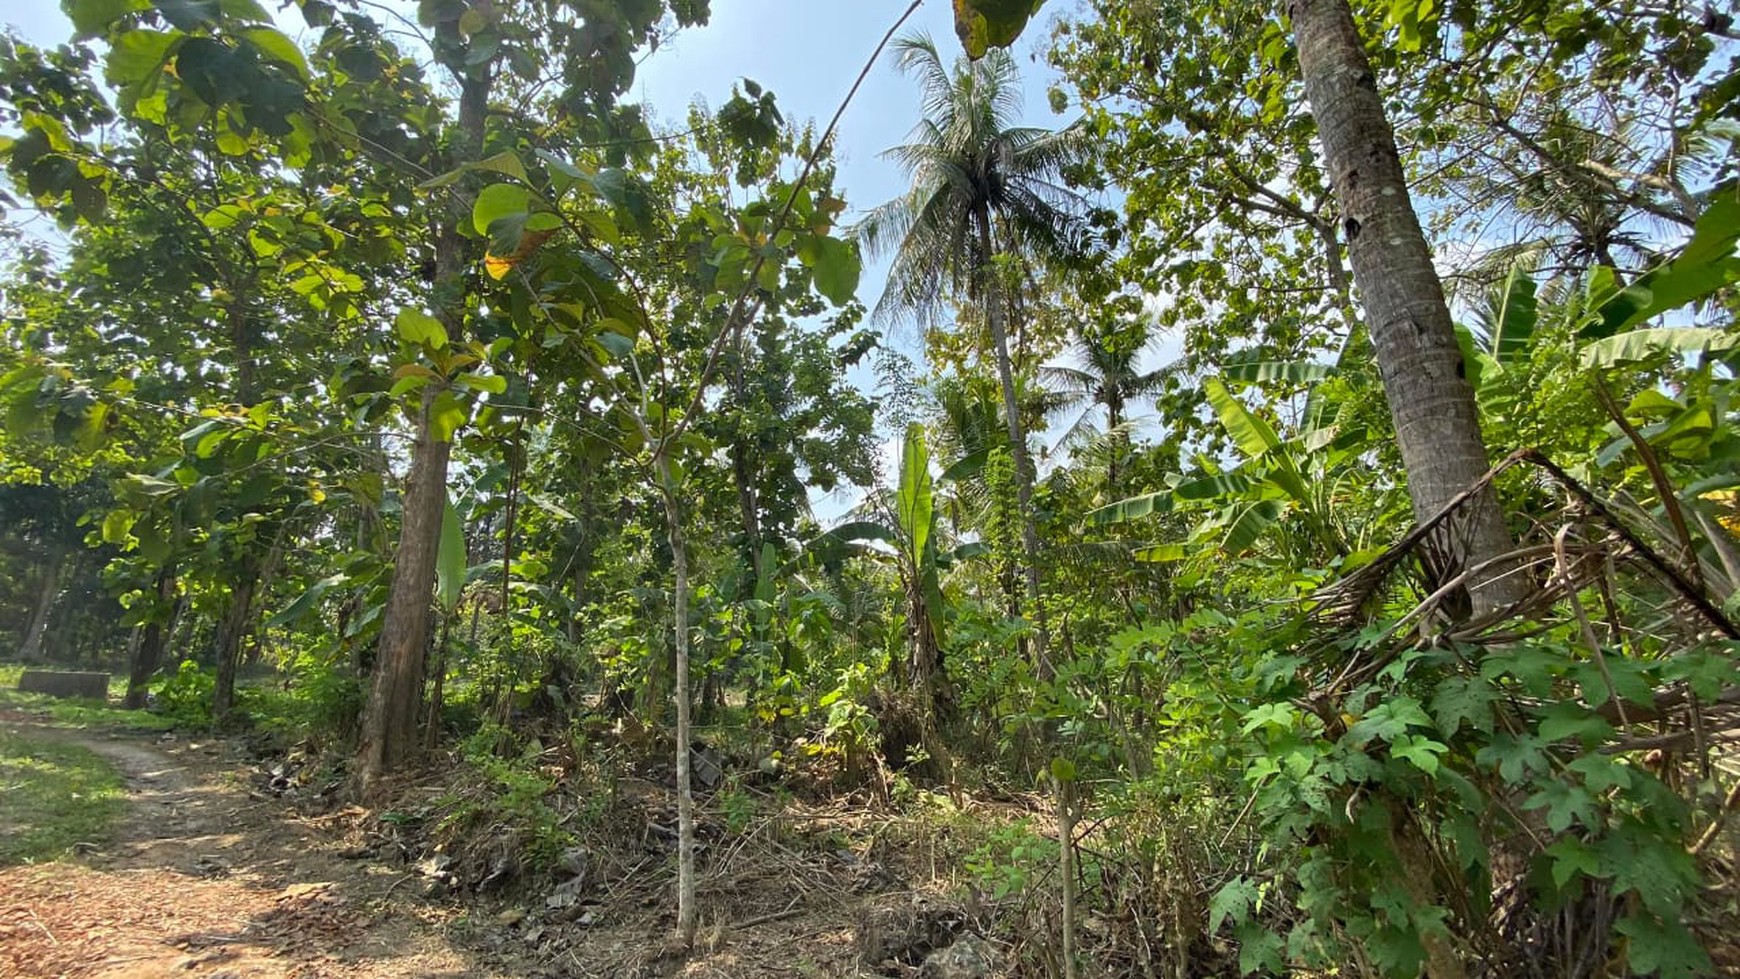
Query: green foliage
x=82 y=714
x=1356 y=784
x=185 y=696
x=508 y=791
x=984 y=24
x=1010 y=859
x=627 y=337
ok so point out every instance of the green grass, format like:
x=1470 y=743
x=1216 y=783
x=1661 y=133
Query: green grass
x=77 y=713
x=53 y=796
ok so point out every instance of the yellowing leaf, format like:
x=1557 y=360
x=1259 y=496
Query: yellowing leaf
x=498 y=266
x=445 y=416
x=986 y=24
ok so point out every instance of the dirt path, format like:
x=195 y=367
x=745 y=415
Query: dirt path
x=207 y=877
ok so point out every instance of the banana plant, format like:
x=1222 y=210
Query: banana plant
x=911 y=535
x=1275 y=479
x=1679 y=423
x=1496 y=355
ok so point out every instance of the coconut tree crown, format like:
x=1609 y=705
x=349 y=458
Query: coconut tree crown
x=966 y=159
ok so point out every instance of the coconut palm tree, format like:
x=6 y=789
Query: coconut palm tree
x=1108 y=379
x=984 y=191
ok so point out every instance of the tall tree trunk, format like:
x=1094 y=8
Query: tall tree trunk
x=232 y=630
x=389 y=725
x=582 y=571
x=1114 y=422
x=1432 y=405
x=148 y=653
x=995 y=314
x=688 y=918
x=32 y=649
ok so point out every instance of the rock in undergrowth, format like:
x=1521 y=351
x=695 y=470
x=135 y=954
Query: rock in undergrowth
x=903 y=929
x=970 y=957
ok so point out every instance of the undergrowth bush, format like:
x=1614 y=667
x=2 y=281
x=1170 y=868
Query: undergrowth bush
x=185 y=696
x=510 y=796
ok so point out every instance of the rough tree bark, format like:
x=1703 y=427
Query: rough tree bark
x=232 y=630
x=995 y=315
x=234 y=623
x=389 y=726
x=1431 y=403
x=32 y=649
x=148 y=654
x=390 y=715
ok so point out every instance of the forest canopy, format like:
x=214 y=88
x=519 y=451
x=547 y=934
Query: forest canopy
x=1304 y=470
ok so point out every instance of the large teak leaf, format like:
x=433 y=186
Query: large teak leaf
x=986 y=24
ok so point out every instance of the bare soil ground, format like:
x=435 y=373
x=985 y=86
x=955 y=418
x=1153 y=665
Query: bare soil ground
x=209 y=876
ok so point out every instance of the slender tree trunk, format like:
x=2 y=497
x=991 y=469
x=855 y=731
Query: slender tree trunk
x=748 y=507
x=581 y=565
x=1066 y=869
x=389 y=726
x=232 y=631
x=1432 y=405
x=995 y=312
x=1115 y=422
x=437 y=697
x=32 y=649
x=148 y=652
x=233 y=624
x=687 y=915
x=582 y=570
